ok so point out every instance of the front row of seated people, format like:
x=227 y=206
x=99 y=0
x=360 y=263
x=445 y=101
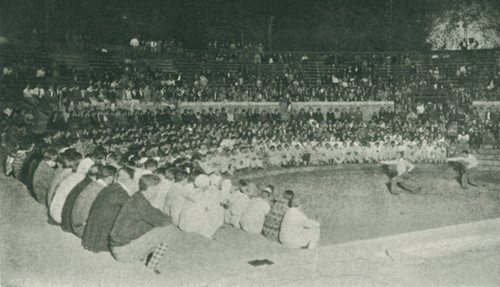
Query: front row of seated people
x=135 y=219
x=230 y=159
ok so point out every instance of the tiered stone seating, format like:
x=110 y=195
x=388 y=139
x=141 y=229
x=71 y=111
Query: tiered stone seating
x=489 y=158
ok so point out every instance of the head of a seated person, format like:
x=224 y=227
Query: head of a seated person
x=170 y=173
x=151 y=165
x=107 y=174
x=94 y=171
x=297 y=201
x=70 y=159
x=288 y=195
x=181 y=176
x=160 y=172
x=147 y=181
x=125 y=175
x=50 y=156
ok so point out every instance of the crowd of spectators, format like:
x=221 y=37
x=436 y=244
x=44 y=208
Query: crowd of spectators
x=134 y=208
x=281 y=77
x=106 y=172
x=57 y=88
x=176 y=133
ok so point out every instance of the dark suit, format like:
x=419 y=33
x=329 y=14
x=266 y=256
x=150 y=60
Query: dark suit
x=102 y=216
x=70 y=202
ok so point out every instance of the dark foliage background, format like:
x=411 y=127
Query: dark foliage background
x=342 y=25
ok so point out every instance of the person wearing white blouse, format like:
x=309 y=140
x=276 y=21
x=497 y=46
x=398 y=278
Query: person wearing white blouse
x=297 y=230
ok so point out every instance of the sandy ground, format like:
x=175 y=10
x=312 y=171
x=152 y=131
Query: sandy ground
x=353 y=203
x=34 y=253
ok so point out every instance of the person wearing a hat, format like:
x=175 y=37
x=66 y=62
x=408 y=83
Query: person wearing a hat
x=298 y=231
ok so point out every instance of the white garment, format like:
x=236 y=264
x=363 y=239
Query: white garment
x=84 y=165
x=61 y=193
x=161 y=191
x=54 y=184
x=254 y=216
x=470 y=160
x=239 y=202
x=401 y=164
x=134 y=42
x=297 y=230
x=202 y=219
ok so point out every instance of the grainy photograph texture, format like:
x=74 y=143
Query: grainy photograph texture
x=249 y=143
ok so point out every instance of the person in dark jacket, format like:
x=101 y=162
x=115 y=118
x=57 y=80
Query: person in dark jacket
x=330 y=116
x=43 y=175
x=29 y=166
x=102 y=216
x=318 y=116
x=140 y=228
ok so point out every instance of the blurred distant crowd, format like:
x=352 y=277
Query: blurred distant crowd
x=432 y=97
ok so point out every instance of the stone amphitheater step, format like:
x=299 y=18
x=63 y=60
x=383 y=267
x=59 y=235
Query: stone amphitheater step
x=489 y=158
x=164 y=64
x=489 y=163
x=71 y=59
x=489 y=151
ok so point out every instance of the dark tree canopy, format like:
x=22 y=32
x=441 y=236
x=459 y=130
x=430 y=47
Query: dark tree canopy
x=342 y=25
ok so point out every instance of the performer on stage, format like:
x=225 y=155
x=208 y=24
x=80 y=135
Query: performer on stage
x=398 y=172
x=465 y=165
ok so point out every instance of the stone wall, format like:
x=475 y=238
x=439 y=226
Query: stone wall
x=366 y=107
